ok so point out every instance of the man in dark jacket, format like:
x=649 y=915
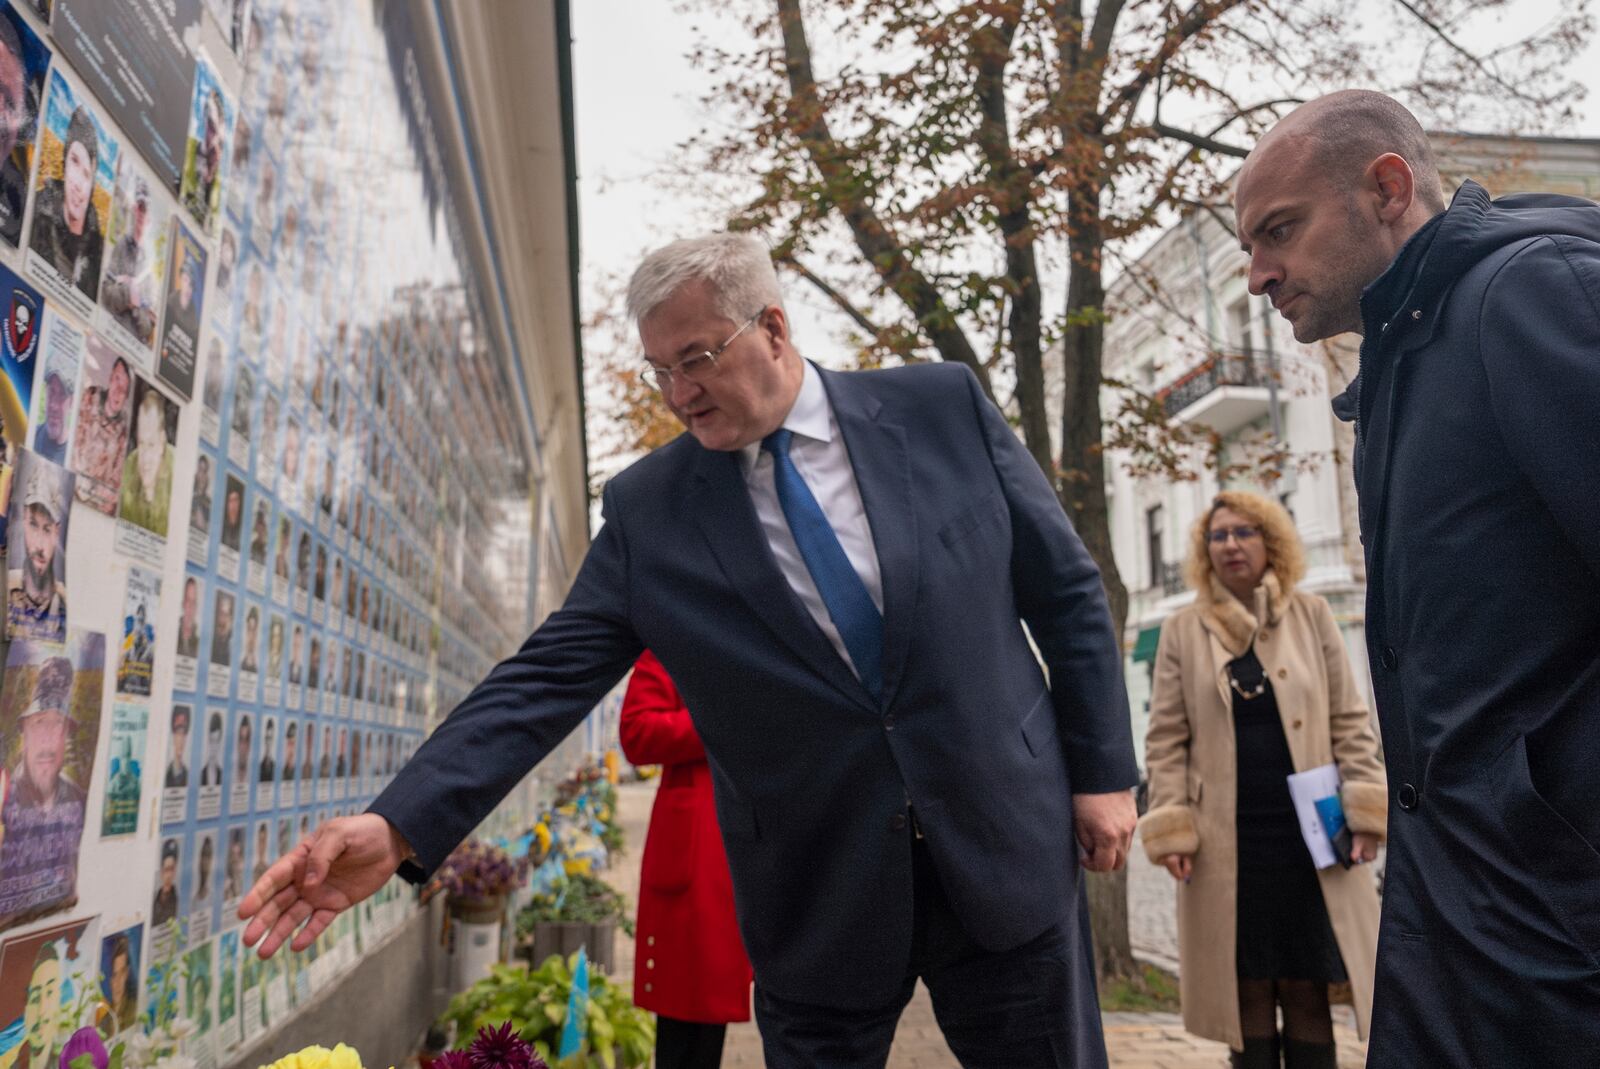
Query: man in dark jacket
x=66 y=226
x=1478 y=467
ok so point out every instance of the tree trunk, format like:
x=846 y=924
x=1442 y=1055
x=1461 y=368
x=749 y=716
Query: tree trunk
x=1082 y=487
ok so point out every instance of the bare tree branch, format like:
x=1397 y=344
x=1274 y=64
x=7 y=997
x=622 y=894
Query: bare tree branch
x=839 y=300
x=878 y=245
x=1210 y=144
x=1466 y=53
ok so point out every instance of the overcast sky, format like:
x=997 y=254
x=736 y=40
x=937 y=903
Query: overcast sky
x=637 y=97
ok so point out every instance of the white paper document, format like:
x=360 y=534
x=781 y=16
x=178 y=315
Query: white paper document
x=1306 y=789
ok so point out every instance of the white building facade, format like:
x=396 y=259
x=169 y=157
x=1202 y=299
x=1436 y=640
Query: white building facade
x=1184 y=330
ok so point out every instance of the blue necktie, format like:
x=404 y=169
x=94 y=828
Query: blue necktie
x=845 y=595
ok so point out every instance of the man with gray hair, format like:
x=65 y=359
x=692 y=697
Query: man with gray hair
x=1476 y=462
x=842 y=573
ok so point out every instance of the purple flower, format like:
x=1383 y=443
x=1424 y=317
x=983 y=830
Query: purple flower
x=502 y=1048
x=85 y=1041
x=452 y=1059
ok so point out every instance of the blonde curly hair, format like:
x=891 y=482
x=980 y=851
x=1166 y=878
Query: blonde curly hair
x=1285 y=554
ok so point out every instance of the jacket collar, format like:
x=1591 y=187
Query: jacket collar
x=1233 y=625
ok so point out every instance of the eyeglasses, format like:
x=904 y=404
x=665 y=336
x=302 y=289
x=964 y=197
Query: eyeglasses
x=1241 y=535
x=696 y=368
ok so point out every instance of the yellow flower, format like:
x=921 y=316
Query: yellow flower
x=316 y=1057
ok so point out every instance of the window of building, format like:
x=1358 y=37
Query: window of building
x=1239 y=319
x=1153 y=524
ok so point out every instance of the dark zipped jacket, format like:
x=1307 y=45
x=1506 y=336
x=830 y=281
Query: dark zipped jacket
x=1477 y=410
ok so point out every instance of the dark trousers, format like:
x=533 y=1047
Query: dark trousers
x=688 y=1044
x=1032 y=1007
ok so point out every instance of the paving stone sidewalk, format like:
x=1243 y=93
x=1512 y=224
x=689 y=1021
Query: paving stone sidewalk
x=1134 y=1041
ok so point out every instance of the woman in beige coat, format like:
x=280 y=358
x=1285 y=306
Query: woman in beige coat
x=1252 y=683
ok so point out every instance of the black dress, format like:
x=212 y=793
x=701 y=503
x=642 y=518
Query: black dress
x=1283 y=932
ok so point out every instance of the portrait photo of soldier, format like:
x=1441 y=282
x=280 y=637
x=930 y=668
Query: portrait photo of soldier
x=147 y=469
x=23 y=59
x=131 y=289
x=77 y=154
x=36 y=542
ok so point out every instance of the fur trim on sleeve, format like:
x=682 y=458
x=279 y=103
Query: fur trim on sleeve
x=1366 y=807
x=1169 y=829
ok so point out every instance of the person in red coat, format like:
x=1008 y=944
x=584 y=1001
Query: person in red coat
x=690 y=969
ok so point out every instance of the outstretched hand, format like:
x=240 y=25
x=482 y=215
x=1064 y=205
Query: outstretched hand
x=337 y=865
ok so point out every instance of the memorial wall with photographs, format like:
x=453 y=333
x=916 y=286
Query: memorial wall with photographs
x=266 y=491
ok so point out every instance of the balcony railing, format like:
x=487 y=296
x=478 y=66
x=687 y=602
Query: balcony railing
x=1172 y=582
x=1240 y=367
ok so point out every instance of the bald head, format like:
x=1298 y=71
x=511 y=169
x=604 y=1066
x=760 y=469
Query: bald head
x=1338 y=136
x=1326 y=201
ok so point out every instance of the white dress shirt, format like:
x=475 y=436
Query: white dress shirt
x=820 y=457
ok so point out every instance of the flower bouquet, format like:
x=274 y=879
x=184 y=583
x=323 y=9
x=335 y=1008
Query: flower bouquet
x=475 y=879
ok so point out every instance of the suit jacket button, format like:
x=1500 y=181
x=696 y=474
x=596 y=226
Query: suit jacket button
x=1283 y=673
x=897 y=822
x=1407 y=797
x=1297 y=723
x=1389 y=658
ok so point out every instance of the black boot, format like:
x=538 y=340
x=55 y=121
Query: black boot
x=1258 y=1053
x=1301 y=1055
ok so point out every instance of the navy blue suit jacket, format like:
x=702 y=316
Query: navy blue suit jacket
x=812 y=775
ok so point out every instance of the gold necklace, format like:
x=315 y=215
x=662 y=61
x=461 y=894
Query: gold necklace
x=1251 y=694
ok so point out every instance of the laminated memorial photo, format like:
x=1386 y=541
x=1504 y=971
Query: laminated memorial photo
x=272 y=680
x=260 y=539
x=210 y=119
x=241 y=162
x=212 y=376
x=289 y=485
x=41 y=974
x=250 y=655
x=200 y=505
x=222 y=285
x=136 y=263
x=302 y=574
x=336 y=594
x=145 y=504
x=267 y=767
x=234 y=882
x=23 y=61
x=209 y=805
x=243 y=412
x=203 y=885
x=281 y=577
x=36 y=550
x=105 y=415
x=243 y=754
x=186 y=664
x=267 y=449
x=136 y=654
x=119 y=981
x=308 y=754
x=180 y=322
x=72 y=198
x=289 y=767
x=253 y=310
x=319 y=587
x=19 y=345
x=264 y=205
x=198 y=995
x=166 y=904
x=54 y=404
x=220 y=673
x=49 y=729
x=228 y=1032
x=175 y=778
x=125 y=769
x=232 y=536
x=297 y=665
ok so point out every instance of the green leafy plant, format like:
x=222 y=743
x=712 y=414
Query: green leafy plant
x=577 y=898
x=535 y=1003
